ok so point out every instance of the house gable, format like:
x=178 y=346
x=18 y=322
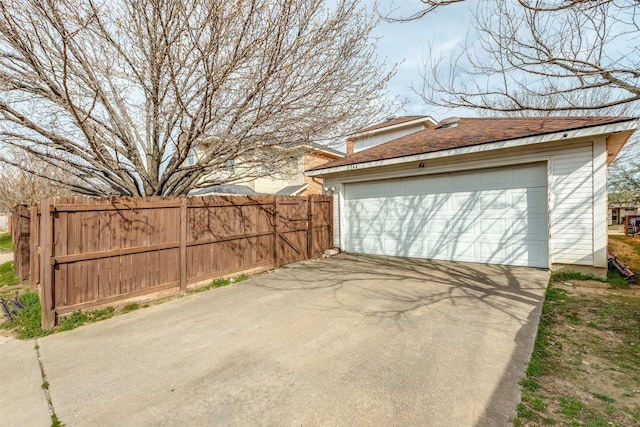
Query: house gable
x=392 y=128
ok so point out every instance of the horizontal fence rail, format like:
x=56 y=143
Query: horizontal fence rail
x=89 y=252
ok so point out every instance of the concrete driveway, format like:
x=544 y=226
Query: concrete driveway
x=345 y=341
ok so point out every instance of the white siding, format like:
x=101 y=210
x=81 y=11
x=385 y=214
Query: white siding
x=336 y=219
x=571 y=219
x=372 y=141
x=571 y=186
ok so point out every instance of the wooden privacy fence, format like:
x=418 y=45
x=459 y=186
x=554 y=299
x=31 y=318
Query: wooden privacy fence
x=20 y=236
x=92 y=251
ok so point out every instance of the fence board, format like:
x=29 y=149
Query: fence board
x=20 y=231
x=34 y=244
x=96 y=251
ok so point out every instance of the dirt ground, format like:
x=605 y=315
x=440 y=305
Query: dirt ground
x=594 y=358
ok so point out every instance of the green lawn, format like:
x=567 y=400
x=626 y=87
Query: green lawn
x=6 y=245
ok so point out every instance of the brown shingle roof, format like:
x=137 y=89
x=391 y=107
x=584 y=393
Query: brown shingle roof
x=469 y=132
x=391 y=122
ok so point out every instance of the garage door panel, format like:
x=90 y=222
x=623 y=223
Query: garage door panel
x=414 y=227
x=493 y=226
x=436 y=249
x=372 y=245
x=411 y=203
x=462 y=228
x=493 y=200
x=413 y=248
x=392 y=226
x=491 y=251
x=463 y=201
x=392 y=246
x=495 y=216
x=432 y=202
x=462 y=251
x=393 y=204
x=436 y=227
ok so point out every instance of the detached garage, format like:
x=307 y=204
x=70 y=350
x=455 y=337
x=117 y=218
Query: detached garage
x=514 y=191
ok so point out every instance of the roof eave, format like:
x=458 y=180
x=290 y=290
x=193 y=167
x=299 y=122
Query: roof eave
x=625 y=127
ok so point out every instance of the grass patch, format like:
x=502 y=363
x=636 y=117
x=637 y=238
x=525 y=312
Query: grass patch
x=79 y=318
x=613 y=278
x=28 y=321
x=563 y=276
x=570 y=407
x=8 y=275
x=55 y=422
x=6 y=245
x=219 y=283
x=129 y=307
x=616 y=280
x=529 y=384
x=603 y=397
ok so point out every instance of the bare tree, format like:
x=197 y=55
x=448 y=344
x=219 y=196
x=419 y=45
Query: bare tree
x=18 y=187
x=119 y=93
x=624 y=183
x=528 y=49
x=428 y=7
x=546 y=57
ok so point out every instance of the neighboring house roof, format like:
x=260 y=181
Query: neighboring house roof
x=394 y=122
x=223 y=189
x=292 y=190
x=466 y=132
x=324 y=150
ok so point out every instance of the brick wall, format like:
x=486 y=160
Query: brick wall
x=311 y=160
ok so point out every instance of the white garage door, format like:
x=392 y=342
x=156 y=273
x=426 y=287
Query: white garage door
x=495 y=216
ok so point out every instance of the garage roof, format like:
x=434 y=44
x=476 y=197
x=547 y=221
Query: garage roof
x=467 y=132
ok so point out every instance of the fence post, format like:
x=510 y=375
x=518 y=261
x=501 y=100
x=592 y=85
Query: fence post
x=276 y=234
x=310 y=253
x=46 y=269
x=183 y=245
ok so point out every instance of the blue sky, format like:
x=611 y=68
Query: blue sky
x=409 y=44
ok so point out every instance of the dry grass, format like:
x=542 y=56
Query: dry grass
x=627 y=249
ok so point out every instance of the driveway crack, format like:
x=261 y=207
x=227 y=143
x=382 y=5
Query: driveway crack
x=55 y=422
